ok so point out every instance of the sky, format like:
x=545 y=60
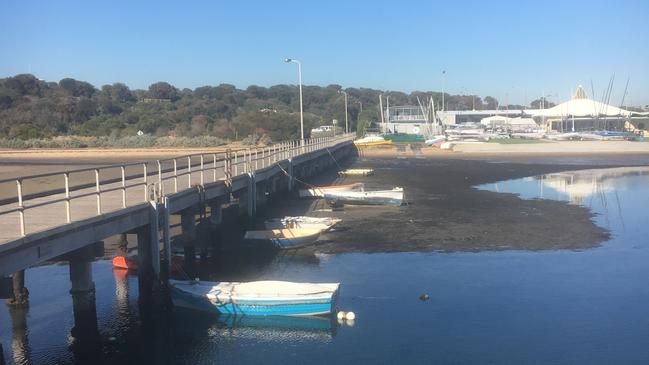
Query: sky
x=513 y=50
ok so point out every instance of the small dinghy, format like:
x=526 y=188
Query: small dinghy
x=256 y=298
x=356 y=172
x=319 y=191
x=379 y=197
x=131 y=263
x=285 y=238
x=324 y=224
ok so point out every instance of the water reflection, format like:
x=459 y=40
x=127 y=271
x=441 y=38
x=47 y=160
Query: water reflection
x=20 y=349
x=578 y=187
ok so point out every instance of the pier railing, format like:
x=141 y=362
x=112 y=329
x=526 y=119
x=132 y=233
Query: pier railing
x=87 y=192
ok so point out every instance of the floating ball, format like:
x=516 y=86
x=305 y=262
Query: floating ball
x=424 y=297
x=350 y=316
x=341 y=315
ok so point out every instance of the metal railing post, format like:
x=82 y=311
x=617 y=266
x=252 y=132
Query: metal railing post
x=68 y=215
x=236 y=163
x=123 y=186
x=175 y=175
x=214 y=172
x=98 y=191
x=21 y=212
x=144 y=179
x=202 y=169
x=189 y=171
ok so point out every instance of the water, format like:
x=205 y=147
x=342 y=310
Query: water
x=510 y=307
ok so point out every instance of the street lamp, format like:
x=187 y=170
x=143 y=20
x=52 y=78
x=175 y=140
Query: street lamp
x=299 y=76
x=443 y=84
x=346 y=121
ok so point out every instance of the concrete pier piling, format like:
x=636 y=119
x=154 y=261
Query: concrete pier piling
x=188 y=226
x=20 y=294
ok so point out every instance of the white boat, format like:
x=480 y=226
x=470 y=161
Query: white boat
x=319 y=191
x=324 y=223
x=435 y=141
x=256 y=298
x=285 y=238
x=356 y=172
x=378 y=197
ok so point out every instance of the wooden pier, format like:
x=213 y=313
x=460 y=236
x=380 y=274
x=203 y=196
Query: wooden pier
x=71 y=221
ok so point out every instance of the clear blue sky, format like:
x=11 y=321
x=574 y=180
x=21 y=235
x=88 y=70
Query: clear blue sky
x=507 y=49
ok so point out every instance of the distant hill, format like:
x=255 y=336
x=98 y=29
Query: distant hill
x=33 y=108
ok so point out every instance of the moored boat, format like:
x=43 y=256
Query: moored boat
x=319 y=191
x=324 y=223
x=286 y=237
x=378 y=197
x=257 y=298
x=356 y=172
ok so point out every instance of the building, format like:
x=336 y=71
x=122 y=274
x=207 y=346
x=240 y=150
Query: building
x=407 y=119
x=583 y=114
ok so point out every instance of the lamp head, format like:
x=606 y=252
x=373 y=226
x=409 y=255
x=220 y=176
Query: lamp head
x=287 y=60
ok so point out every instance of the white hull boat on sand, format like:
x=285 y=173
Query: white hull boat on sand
x=356 y=172
x=319 y=191
x=324 y=223
x=284 y=238
x=379 y=197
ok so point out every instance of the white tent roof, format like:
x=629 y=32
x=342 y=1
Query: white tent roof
x=580 y=106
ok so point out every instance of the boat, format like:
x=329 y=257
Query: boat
x=378 y=197
x=319 y=191
x=372 y=140
x=285 y=238
x=403 y=137
x=324 y=223
x=356 y=172
x=435 y=141
x=256 y=298
x=130 y=263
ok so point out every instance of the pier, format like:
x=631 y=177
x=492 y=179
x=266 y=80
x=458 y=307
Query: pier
x=71 y=222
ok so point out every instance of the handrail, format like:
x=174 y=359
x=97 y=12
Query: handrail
x=234 y=162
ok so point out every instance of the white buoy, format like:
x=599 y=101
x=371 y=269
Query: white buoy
x=350 y=316
x=341 y=315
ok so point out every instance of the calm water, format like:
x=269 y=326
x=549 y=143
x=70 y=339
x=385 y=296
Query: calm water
x=511 y=307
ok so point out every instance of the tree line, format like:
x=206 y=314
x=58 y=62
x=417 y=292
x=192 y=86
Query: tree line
x=31 y=108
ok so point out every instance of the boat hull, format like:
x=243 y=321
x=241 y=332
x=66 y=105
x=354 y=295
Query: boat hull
x=319 y=191
x=236 y=305
x=284 y=238
x=384 y=197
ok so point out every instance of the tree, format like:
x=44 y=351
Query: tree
x=491 y=103
x=77 y=88
x=541 y=103
x=163 y=90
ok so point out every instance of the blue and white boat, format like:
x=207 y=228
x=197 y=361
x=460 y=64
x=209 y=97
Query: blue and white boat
x=377 y=197
x=256 y=298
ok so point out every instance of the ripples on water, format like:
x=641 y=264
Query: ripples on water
x=560 y=307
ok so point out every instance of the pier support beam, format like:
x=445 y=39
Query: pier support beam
x=148 y=252
x=122 y=244
x=188 y=226
x=291 y=179
x=251 y=204
x=260 y=192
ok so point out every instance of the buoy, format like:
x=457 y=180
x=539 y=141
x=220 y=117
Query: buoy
x=350 y=316
x=424 y=297
x=341 y=315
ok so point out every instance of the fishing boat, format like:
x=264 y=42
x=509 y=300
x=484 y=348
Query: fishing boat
x=356 y=172
x=324 y=223
x=378 y=197
x=284 y=238
x=319 y=191
x=256 y=298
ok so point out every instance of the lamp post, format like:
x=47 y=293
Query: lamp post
x=443 y=84
x=299 y=76
x=346 y=121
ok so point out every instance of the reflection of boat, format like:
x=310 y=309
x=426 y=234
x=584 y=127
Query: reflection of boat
x=319 y=191
x=324 y=223
x=378 y=197
x=285 y=237
x=256 y=298
x=278 y=328
x=356 y=172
